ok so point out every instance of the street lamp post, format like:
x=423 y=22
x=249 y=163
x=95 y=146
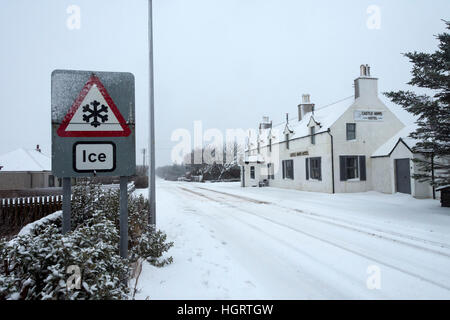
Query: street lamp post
x=151 y=167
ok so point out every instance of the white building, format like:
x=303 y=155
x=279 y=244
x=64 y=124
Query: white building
x=350 y=146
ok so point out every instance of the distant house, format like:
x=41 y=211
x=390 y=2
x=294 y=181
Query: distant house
x=25 y=169
x=355 y=145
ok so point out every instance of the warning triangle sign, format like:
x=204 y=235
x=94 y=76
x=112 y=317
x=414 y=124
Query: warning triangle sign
x=93 y=114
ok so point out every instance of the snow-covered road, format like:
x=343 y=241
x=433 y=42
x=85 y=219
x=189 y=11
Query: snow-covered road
x=266 y=243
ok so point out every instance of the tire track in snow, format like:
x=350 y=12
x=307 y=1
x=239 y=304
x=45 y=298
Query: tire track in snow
x=355 y=252
x=311 y=279
x=331 y=221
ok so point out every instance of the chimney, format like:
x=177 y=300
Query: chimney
x=265 y=124
x=305 y=107
x=365 y=85
x=37 y=148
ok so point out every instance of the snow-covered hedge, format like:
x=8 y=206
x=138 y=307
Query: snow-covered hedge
x=34 y=265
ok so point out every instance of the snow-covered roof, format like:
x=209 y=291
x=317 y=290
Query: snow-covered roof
x=25 y=160
x=325 y=117
x=386 y=149
x=443 y=187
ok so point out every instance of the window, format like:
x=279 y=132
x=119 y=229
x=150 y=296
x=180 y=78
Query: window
x=270 y=145
x=313 y=137
x=288 y=169
x=351 y=131
x=270 y=174
x=352 y=167
x=252 y=172
x=314 y=168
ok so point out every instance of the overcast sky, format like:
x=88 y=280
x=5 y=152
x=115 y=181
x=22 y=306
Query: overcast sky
x=225 y=62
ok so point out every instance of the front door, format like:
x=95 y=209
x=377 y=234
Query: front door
x=403 y=176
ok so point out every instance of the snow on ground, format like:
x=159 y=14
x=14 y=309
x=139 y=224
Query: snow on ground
x=268 y=243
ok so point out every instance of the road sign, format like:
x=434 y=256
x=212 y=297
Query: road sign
x=98 y=156
x=93 y=114
x=93 y=123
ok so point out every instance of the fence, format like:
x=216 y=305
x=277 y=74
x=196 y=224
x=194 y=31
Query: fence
x=17 y=212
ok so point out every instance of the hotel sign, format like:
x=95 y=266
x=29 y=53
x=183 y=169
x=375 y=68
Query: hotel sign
x=299 y=154
x=368 y=115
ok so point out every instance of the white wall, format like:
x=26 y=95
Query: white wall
x=422 y=190
x=382 y=175
x=252 y=182
x=370 y=135
x=322 y=149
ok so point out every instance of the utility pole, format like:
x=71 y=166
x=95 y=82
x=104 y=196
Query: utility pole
x=143 y=157
x=151 y=149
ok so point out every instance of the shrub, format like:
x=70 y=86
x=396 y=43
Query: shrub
x=34 y=265
x=141 y=182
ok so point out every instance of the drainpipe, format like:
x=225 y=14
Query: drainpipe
x=332 y=159
x=432 y=176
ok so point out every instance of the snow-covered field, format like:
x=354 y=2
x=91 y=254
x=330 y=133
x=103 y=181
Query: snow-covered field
x=267 y=243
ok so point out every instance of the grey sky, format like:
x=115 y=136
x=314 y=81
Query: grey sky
x=225 y=62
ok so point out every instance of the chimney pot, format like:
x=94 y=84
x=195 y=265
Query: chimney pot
x=306 y=98
x=265 y=124
x=365 y=85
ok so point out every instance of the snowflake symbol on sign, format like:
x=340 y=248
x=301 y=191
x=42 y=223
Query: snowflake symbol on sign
x=95 y=113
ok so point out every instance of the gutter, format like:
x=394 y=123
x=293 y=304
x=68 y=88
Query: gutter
x=332 y=160
x=302 y=137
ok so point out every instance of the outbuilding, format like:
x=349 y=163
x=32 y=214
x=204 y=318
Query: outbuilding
x=445 y=195
x=26 y=169
x=393 y=166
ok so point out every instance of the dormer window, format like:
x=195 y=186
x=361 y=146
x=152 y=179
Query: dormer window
x=287 y=141
x=313 y=136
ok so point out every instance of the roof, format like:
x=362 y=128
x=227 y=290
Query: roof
x=443 y=187
x=403 y=135
x=325 y=117
x=25 y=160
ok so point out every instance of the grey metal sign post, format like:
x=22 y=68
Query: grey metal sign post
x=93 y=133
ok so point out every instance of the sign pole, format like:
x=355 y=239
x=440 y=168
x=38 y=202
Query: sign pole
x=123 y=247
x=66 y=206
x=151 y=176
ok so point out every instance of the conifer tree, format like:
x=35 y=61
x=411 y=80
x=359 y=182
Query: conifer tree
x=431 y=72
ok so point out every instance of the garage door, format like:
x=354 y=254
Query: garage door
x=403 y=176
